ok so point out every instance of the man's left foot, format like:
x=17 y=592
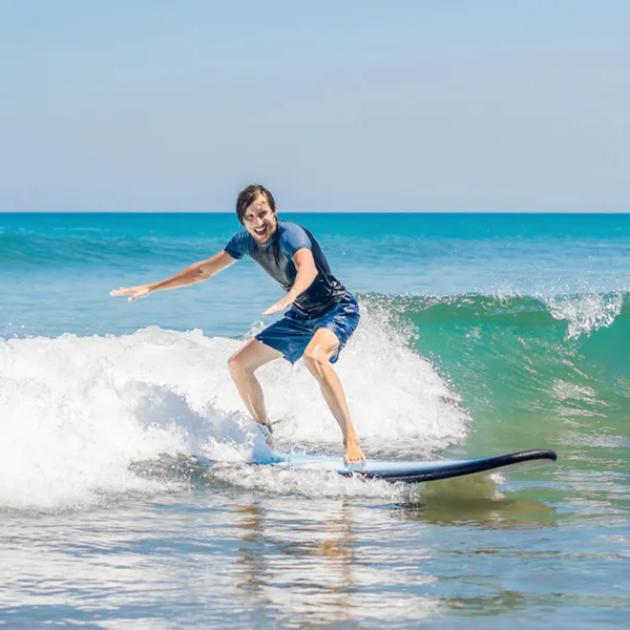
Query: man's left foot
x=267 y=433
x=354 y=454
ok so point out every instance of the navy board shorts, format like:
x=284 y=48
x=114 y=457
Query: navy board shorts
x=291 y=334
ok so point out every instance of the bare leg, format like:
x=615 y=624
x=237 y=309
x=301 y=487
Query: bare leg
x=317 y=358
x=242 y=366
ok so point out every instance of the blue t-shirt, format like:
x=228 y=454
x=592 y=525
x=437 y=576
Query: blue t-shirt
x=276 y=258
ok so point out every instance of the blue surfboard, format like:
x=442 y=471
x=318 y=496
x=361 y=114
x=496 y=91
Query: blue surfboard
x=410 y=471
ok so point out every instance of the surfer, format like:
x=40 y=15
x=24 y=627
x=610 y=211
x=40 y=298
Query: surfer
x=322 y=313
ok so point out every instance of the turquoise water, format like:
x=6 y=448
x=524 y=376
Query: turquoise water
x=480 y=334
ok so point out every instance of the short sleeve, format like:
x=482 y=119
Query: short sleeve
x=293 y=239
x=241 y=244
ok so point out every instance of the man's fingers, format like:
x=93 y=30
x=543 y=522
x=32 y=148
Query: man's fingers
x=132 y=292
x=121 y=291
x=271 y=310
x=278 y=306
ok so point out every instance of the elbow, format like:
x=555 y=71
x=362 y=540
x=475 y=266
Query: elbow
x=201 y=274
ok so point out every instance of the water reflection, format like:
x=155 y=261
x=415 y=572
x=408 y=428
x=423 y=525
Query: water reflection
x=225 y=557
x=317 y=567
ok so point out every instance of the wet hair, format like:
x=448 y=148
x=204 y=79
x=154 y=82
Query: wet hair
x=248 y=195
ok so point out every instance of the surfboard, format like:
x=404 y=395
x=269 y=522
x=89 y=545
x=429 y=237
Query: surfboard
x=412 y=471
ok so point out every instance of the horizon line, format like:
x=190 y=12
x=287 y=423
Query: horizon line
x=323 y=212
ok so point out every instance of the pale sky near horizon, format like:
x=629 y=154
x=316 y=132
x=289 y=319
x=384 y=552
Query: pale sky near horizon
x=155 y=105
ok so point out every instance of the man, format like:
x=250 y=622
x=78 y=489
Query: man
x=322 y=313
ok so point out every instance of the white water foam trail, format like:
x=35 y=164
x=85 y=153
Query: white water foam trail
x=76 y=412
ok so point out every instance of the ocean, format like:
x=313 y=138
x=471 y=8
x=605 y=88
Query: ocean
x=127 y=494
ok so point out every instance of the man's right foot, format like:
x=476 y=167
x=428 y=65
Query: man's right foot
x=354 y=454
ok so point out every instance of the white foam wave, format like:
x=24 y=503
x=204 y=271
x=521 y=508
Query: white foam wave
x=76 y=412
x=586 y=313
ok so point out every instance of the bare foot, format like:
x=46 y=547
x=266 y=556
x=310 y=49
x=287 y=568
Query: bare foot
x=354 y=454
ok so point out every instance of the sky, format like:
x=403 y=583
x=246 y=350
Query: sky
x=344 y=105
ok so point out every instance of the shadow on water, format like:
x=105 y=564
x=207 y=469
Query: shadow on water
x=503 y=513
x=474 y=501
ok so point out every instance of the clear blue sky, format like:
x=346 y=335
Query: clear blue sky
x=436 y=105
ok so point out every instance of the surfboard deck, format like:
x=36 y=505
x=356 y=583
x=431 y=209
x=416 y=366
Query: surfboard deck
x=412 y=471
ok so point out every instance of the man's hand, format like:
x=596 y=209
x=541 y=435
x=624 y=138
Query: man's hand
x=133 y=292
x=280 y=305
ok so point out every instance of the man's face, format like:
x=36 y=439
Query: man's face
x=260 y=220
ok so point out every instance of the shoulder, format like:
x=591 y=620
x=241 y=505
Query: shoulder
x=241 y=244
x=292 y=237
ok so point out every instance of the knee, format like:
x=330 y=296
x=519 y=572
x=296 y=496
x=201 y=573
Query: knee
x=236 y=366
x=316 y=362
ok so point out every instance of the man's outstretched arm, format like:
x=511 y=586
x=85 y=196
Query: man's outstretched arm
x=197 y=272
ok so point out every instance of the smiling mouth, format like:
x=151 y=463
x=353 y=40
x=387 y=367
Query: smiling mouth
x=260 y=231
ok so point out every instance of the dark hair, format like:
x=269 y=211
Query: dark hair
x=248 y=195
